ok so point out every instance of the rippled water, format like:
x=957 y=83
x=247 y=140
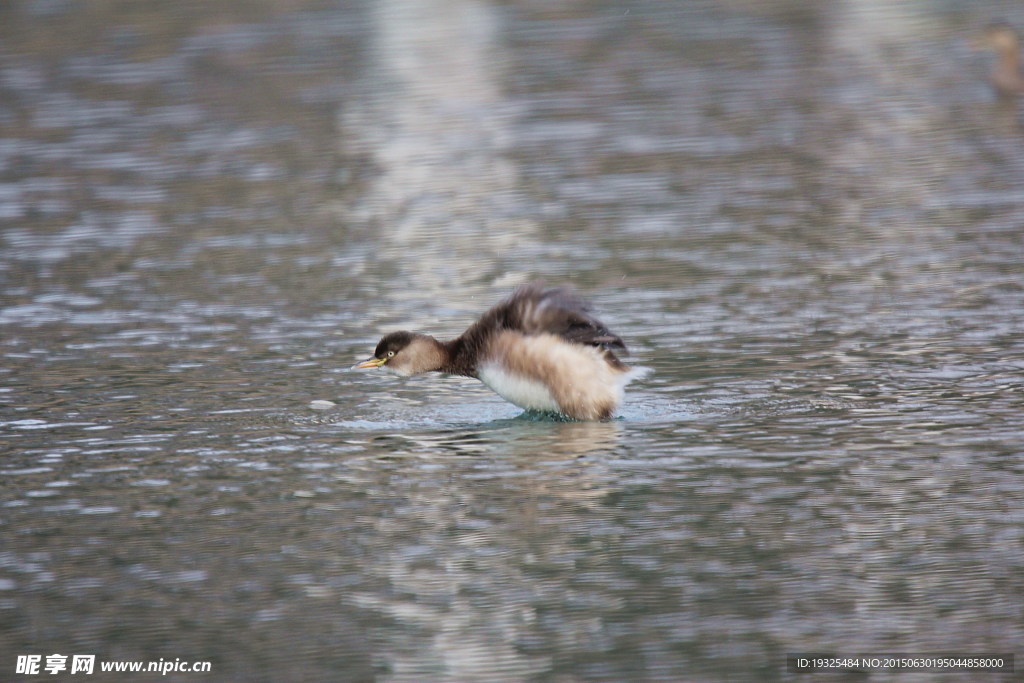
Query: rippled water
x=805 y=217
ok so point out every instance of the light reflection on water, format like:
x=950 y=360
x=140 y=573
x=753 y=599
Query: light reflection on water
x=801 y=216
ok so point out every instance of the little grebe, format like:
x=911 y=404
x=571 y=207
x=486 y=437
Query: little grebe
x=539 y=349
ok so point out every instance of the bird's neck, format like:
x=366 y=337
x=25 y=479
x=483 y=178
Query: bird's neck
x=455 y=358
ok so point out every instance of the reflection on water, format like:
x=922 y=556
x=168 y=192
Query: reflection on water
x=452 y=546
x=803 y=216
x=443 y=200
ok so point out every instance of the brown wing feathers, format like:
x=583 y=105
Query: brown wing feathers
x=562 y=313
x=534 y=310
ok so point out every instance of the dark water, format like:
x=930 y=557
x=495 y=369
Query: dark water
x=806 y=217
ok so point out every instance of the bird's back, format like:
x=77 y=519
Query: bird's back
x=533 y=310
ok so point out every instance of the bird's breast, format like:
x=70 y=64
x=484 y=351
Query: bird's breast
x=525 y=392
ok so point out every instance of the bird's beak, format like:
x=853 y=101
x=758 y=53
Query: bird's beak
x=370 y=363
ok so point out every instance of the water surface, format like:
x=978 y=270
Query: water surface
x=805 y=217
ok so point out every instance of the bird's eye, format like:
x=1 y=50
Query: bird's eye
x=390 y=354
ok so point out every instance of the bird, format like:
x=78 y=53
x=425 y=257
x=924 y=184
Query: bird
x=540 y=349
x=1003 y=39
